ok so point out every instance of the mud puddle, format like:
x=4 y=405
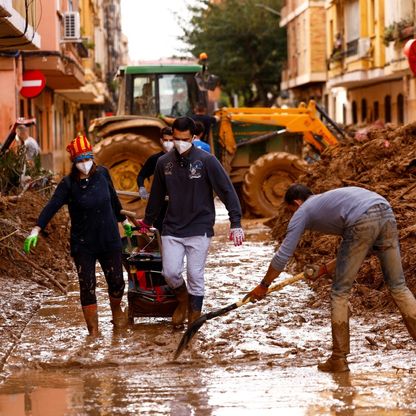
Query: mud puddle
x=259 y=358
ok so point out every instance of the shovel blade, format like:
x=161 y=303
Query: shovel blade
x=189 y=334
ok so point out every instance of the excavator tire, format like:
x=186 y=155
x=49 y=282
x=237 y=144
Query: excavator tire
x=124 y=155
x=267 y=180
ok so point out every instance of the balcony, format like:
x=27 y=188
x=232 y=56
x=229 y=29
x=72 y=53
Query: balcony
x=13 y=31
x=399 y=32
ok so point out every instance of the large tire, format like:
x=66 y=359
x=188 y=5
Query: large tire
x=267 y=180
x=124 y=155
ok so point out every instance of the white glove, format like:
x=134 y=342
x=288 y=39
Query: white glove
x=35 y=231
x=237 y=236
x=143 y=193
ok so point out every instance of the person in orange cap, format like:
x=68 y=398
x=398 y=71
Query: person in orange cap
x=94 y=209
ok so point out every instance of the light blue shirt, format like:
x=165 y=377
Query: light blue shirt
x=202 y=145
x=329 y=213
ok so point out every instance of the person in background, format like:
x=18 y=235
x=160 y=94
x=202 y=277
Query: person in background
x=94 y=209
x=365 y=221
x=31 y=145
x=199 y=133
x=189 y=176
x=148 y=170
x=209 y=122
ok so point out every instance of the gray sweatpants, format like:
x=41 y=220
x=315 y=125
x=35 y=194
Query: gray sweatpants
x=173 y=254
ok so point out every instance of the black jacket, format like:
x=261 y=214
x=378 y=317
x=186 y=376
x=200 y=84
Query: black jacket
x=189 y=183
x=148 y=168
x=94 y=209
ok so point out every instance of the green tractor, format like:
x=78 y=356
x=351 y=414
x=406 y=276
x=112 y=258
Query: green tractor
x=260 y=148
x=150 y=98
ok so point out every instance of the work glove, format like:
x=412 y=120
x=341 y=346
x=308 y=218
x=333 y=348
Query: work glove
x=128 y=228
x=143 y=227
x=237 y=236
x=31 y=240
x=143 y=193
x=258 y=293
x=313 y=271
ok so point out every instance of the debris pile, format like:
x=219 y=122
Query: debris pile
x=383 y=161
x=49 y=263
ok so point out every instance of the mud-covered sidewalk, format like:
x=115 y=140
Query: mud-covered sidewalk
x=259 y=358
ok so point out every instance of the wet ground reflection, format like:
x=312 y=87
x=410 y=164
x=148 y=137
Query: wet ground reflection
x=260 y=358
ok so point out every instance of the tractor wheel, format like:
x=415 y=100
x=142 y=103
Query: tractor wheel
x=124 y=155
x=267 y=180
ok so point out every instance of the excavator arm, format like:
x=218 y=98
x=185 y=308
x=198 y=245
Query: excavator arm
x=303 y=119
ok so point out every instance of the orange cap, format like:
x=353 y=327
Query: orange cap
x=80 y=148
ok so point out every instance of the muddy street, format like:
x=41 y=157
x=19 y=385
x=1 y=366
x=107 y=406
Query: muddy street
x=259 y=358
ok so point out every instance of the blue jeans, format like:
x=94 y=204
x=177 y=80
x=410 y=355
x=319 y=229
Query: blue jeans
x=376 y=230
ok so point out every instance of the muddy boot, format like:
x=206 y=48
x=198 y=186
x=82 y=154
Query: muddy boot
x=406 y=302
x=410 y=325
x=119 y=316
x=91 y=318
x=337 y=362
x=179 y=315
x=194 y=308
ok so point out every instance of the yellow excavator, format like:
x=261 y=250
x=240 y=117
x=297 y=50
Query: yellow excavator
x=263 y=149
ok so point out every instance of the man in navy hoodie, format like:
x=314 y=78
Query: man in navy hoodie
x=189 y=176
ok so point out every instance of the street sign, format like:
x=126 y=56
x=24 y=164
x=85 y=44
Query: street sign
x=33 y=83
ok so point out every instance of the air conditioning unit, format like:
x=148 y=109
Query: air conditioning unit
x=364 y=47
x=72 y=27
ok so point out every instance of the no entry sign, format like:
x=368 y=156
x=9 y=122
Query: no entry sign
x=33 y=83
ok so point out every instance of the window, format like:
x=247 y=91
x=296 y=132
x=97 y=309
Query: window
x=177 y=94
x=352 y=26
x=354 y=113
x=144 y=96
x=387 y=109
x=363 y=110
x=400 y=109
x=376 y=110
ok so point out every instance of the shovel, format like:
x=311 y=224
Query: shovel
x=194 y=327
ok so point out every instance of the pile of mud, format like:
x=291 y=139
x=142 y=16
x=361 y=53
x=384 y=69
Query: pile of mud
x=48 y=263
x=26 y=279
x=382 y=161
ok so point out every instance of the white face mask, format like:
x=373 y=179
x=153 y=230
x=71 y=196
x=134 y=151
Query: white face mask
x=182 y=146
x=167 y=146
x=84 y=167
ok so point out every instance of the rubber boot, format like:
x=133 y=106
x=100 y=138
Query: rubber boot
x=194 y=308
x=406 y=302
x=179 y=315
x=337 y=362
x=91 y=318
x=119 y=316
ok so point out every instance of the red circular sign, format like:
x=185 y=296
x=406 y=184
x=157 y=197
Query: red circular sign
x=33 y=83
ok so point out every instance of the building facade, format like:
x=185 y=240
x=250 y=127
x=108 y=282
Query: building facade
x=69 y=47
x=368 y=75
x=305 y=74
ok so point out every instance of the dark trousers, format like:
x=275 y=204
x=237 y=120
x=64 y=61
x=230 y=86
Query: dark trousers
x=113 y=271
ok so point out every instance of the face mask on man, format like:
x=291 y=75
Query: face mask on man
x=167 y=145
x=84 y=167
x=182 y=146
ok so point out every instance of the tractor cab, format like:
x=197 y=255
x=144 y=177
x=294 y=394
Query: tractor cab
x=167 y=90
